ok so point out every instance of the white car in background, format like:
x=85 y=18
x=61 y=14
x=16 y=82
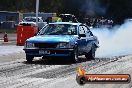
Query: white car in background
x=31 y=21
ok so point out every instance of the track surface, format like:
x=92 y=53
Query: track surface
x=59 y=73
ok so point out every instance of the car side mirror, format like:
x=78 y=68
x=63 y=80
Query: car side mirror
x=82 y=35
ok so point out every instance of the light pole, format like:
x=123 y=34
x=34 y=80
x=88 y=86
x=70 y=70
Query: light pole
x=37 y=10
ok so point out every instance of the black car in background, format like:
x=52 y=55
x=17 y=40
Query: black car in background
x=68 y=18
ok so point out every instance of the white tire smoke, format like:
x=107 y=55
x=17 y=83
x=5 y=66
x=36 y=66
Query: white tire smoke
x=114 y=42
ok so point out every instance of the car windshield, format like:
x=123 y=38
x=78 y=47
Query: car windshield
x=59 y=29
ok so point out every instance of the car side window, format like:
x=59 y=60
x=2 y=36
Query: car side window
x=82 y=30
x=85 y=29
x=88 y=32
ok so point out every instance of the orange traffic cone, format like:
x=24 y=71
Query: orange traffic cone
x=5 y=37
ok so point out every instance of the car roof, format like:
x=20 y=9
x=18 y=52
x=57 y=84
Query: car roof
x=67 y=15
x=66 y=23
x=32 y=17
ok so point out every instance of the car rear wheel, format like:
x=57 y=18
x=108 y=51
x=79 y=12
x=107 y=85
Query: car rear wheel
x=74 y=56
x=29 y=58
x=91 y=54
x=44 y=57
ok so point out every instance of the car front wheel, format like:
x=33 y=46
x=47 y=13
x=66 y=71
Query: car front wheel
x=29 y=58
x=74 y=56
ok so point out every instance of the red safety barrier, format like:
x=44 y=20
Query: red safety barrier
x=25 y=32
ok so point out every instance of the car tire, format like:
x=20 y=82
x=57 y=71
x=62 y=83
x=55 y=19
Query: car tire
x=74 y=56
x=91 y=54
x=29 y=58
x=44 y=57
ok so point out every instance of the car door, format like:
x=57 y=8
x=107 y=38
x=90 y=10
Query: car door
x=90 y=38
x=85 y=42
x=82 y=39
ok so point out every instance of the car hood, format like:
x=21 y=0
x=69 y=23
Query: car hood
x=53 y=38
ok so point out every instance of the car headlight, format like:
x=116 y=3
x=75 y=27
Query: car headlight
x=29 y=45
x=64 y=45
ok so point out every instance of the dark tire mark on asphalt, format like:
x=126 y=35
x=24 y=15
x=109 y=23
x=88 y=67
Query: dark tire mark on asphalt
x=64 y=68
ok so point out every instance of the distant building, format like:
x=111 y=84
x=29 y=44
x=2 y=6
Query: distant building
x=9 y=19
x=45 y=16
x=10 y=16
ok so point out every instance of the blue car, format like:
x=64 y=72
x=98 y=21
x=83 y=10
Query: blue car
x=63 y=39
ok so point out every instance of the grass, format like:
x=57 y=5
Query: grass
x=13 y=30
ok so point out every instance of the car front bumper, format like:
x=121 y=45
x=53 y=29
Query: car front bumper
x=51 y=52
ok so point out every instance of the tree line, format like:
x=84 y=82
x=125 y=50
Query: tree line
x=118 y=10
